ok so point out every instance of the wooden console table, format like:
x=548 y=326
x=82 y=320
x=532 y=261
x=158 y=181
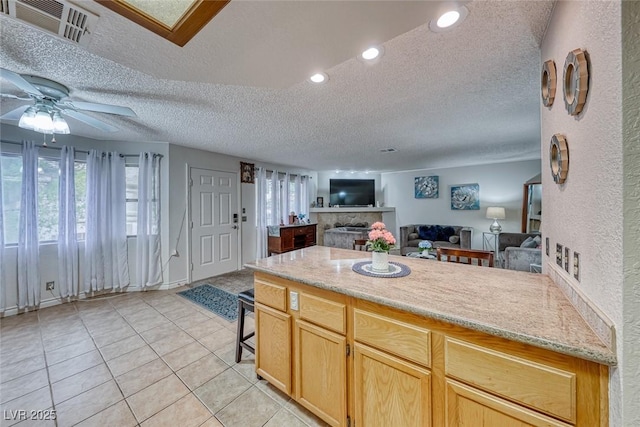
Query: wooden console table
x=291 y=237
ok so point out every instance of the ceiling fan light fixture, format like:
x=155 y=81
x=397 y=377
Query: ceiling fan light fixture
x=27 y=119
x=60 y=125
x=43 y=122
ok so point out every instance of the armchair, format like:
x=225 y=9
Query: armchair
x=513 y=257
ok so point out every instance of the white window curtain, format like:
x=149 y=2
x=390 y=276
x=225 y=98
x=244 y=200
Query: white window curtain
x=276 y=214
x=3 y=283
x=67 y=240
x=148 y=257
x=297 y=207
x=304 y=195
x=286 y=208
x=261 y=213
x=28 y=249
x=105 y=262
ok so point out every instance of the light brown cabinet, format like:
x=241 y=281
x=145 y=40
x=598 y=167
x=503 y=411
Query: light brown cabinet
x=321 y=372
x=467 y=406
x=273 y=352
x=390 y=391
x=408 y=370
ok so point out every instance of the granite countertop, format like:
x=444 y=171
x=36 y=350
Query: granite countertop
x=518 y=306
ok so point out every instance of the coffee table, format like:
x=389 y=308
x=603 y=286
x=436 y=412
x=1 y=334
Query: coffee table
x=424 y=255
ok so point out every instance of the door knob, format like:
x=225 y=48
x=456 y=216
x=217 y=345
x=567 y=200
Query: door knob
x=234 y=227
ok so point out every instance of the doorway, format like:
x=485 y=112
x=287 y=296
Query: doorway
x=213 y=203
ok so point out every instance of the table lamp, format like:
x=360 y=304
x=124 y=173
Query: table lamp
x=495 y=213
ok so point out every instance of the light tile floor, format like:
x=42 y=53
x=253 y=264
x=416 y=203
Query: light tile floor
x=137 y=359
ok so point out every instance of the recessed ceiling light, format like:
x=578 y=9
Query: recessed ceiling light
x=319 y=78
x=371 y=53
x=449 y=20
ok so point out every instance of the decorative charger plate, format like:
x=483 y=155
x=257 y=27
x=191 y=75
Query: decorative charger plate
x=395 y=269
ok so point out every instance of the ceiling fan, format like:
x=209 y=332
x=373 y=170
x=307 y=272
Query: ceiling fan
x=50 y=101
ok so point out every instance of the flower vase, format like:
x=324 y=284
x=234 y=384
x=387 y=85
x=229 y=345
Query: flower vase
x=380 y=262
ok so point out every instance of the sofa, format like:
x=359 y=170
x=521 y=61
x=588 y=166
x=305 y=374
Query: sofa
x=451 y=236
x=511 y=254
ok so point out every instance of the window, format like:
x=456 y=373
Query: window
x=132 y=199
x=11 y=189
x=275 y=203
x=48 y=178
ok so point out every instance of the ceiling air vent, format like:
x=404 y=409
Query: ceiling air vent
x=58 y=17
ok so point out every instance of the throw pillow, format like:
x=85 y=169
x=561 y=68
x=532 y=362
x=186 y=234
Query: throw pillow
x=413 y=236
x=454 y=239
x=428 y=232
x=446 y=233
x=528 y=243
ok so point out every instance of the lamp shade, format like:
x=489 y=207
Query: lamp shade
x=495 y=212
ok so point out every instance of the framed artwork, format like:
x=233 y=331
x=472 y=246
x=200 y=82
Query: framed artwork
x=465 y=197
x=247 y=173
x=319 y=202
x=426 y=187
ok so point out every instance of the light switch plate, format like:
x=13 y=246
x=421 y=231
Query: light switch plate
x=576 y=266
x=566 y=259
x=293 y=300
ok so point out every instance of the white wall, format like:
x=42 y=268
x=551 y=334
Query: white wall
x=586 y=212
x=500 y=185
x=180 y=159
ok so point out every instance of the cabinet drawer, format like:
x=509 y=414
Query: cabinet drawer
x=301 y=230
x=542 y=387
x=323 y=312
x=396 y=337
x=275 y=296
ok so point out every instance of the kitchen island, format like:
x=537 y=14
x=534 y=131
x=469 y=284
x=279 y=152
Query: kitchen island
x=446 y=345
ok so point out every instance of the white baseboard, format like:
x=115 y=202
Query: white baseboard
x=53 y=301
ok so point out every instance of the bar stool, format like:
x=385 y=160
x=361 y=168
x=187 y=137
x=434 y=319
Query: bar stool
x=245 y=303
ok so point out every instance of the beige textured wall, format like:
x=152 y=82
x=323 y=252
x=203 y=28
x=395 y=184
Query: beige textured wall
x=631 y=210
x=586 y=212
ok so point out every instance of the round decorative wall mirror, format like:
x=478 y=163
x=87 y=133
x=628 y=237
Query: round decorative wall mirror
x=559 y=158
x=548 y=83
x=576 y=81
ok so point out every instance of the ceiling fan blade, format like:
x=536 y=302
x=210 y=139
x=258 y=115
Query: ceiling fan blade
x=15 y=114
x=99 y=108
x=20 y=82
x=90 y=121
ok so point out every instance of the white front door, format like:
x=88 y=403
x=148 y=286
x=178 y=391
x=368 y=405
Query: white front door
x=214 y=230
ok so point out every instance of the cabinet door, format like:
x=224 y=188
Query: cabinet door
x=467 y=406
x=273 y=349
x=321 y=372
x=390 y=391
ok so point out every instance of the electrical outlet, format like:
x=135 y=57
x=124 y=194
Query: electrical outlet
x=50 y=286
x=566 y=259
x=576 y=266
x=559 y=254
x=293 y=300
x=547 y=246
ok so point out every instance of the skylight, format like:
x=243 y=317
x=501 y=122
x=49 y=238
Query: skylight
x=176 y=20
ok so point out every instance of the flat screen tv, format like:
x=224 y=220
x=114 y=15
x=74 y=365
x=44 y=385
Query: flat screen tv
x=352 y=192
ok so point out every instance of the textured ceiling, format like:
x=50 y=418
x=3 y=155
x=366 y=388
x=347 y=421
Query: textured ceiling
x=467 y=96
